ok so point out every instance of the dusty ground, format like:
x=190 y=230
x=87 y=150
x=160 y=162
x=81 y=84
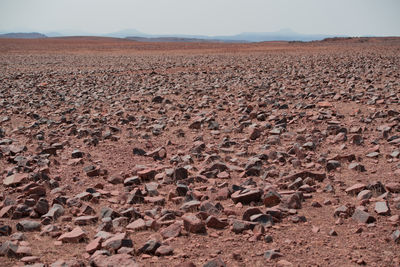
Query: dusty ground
x=234 y=116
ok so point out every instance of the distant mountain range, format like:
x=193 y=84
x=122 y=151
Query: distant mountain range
x=23 y=35
x=132 y=34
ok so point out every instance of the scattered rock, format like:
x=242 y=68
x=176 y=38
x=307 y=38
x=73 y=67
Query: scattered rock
x=362 y=216
x=75 y=236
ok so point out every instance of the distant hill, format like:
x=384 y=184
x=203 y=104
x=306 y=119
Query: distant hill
x=132 y=34
x=180 y=39
x=282 y=35
x=23 y=35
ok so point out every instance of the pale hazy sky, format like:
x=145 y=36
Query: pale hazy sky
x=208 y=17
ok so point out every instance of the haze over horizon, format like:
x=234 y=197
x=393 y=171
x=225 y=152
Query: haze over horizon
x=207 y=17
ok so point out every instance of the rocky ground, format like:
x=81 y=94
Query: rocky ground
x=277 y=154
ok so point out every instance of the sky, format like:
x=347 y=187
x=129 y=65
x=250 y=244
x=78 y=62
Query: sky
x=203 y=17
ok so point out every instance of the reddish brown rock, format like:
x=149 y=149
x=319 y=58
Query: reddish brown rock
x=137 y=225
x=75 y=236
x=214 y=222
x=114 y=260
x=93 y=245
x=193 y=224
x=355 y=189
x=172 y=230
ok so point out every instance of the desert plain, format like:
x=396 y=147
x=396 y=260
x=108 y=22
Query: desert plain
x=115 y=152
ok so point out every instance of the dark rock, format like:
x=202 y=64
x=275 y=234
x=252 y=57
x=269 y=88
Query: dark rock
x=271 y=199
x=214 y=222
x=272 y=254
x=9 y=249
x=218 y=262
x=5 y=230
x=28 y=226
x=139 y=152
x=268 y=239
x=362 y=216
x=180 y=173
x=396 y=236
x=332 y=165
x=150 y=247
x=76 y=154
x=247 y=195
x=240 y=226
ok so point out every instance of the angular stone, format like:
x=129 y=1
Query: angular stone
x=92 y=171
x=382 y=208
x=115 y=179
x=180 y=174
x=355 y=189
x=249 y=212
x=5 y=230
x=85 y=220
x=74 y=236
x=93 y=245
x=164 y=251
x=362 y=216
x=31 y=259
x=342 y=211
x=155 y=200
x=55 y=212
x=396 y=236
x=42 y=206
x=134 y=180
x=304 y=174
x=393 y=187
x=272 y=254
x=173 y=230
x=8 y=249
x=138 y=151
x=137 y=225
x=150 y=247
x=190 y=205
x=218 y=262
x=364 y=194
x=117 y=241
x=294 y=201
x=296 y=184
x=256 y=133
x=147 y=174
x=77 y=154
x=332 y=165
x=240 y=226
x=356 y=167
x=214 y=222
x=15 y=179
x=263 y=219
x=246 y=196
x=7 y=211
x=28 y=226
x=193 y=224
x=271 y=199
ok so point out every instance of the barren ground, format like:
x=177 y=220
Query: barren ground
x=195 y=135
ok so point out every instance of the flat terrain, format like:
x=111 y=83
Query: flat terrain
x=114 y=152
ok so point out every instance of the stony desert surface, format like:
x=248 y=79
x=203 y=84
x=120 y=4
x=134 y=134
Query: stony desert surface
x=121 y=153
